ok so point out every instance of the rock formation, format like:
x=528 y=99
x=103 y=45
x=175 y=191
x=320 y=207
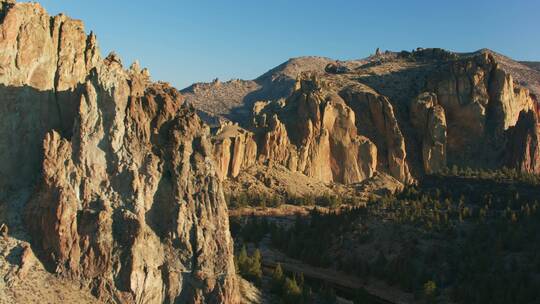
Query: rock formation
x=413 y=113
x=429 y=120
x=127 y=200
x=376 y=119
x=234 y=149
x=481 y=102
x=524 y=142
x=314 y=132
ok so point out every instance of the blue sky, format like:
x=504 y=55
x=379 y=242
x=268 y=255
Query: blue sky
x=189 y=41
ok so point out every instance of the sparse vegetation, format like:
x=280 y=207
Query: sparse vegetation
x=249 y=199
x=467 y=235
x=248 y=266
x=294 y=290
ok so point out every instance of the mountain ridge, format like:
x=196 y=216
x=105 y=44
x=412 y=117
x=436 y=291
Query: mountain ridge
x=246 y=91
x=115 y=183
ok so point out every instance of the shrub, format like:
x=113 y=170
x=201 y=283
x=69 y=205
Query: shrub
x=430 y=291
x=250 y=266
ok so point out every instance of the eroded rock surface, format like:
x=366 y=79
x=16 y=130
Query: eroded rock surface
x=127 y=200
x=234 y=149
x=414 y=113
x=429 y=120
x=481 y=102
x=375 y=117
x=524 y=143
x=314 y=132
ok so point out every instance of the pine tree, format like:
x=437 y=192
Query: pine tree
x=241 y=259
x=277 y=279
x=301 y=280
x=455 y=170
x=255 y=267
x=291 y=291
x=430 y=291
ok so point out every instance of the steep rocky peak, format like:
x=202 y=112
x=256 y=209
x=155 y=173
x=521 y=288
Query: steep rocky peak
x=121 y=171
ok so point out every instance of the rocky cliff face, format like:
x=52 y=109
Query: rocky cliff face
x=127 y=200
x=234 y=149
x=429 y=120
x=481 y=102
x=404 y=114
x=376 y=119
x=523 y=143
x=43 y=61
x=314 y=132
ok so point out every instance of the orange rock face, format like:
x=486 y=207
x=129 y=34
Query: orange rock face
x=375 y=119
x=429 y=120
x=234 y=149
x=127 y=200
x=314 y=132
x=339 y=127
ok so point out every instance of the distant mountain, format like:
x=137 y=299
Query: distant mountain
x=233 y=99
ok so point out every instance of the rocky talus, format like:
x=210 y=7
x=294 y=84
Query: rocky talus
x=127 y=199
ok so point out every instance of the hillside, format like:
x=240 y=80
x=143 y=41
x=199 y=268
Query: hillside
x=234 y=99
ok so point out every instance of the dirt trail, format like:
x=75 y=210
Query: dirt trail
x=381 y=292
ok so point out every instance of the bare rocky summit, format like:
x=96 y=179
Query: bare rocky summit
x=234 y=99
x=125 y=197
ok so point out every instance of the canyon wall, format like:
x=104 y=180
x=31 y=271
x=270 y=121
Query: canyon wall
x=445 y=110
x=126 y=197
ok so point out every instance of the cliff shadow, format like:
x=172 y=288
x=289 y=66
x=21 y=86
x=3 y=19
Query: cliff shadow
x=27 y=114
x=402 y=87
x=269 y=89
